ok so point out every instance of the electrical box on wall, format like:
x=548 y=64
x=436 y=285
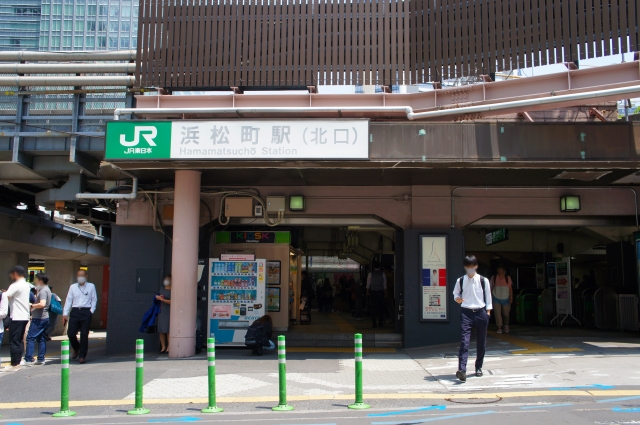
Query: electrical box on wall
x=238 y=207
x=275 y=203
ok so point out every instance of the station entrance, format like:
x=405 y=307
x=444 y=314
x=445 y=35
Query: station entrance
x=582 y=276
x=317 y=280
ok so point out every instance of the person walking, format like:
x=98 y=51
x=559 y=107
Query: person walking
x=39 y=322
x=502 y=293
x=78 y=309
x=164 y=317
x=4 y=311
x=19 y=306
x=376 y=286
x=473 y=293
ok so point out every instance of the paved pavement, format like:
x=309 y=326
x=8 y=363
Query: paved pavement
x=569 y=376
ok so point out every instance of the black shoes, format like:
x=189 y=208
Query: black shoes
x=478 y=372
x=461 y=375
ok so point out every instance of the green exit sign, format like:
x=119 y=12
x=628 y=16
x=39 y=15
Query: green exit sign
x=496 y=236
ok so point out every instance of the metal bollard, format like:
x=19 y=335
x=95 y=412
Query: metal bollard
x=64 y=383
x=139 y=409
x=359 y=404
x=211 y=358
x=282 y=364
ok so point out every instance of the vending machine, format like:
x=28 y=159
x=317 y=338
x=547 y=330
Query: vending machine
x=236 y=297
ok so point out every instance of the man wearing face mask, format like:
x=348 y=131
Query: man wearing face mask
x=78 y=308
x=39 y=322
x=473 y=293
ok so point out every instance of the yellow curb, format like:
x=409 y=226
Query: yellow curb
x=531 y=347
x=338 y=350
x=320 y=397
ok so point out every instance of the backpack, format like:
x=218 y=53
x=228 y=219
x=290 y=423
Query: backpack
x=484 y=291
x=256 y=337
x=55 y=306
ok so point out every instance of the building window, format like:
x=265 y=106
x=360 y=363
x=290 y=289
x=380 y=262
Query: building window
x=91 y=10
x=102 y=26
x=114 y=11
x=68 y=10
x=55 y=41
x=44 y=25
x=113 y=26
x=103 y=10
x=80 y=10
x=125 y=26
x=77 y=41
x=57 y=10
x=124 y=43
x=46 y=9
x=135 y=11
x=113 y=42
x=102 y=41
x=134 y=26
x=56 y=25
x=79 y=26
x=68 y=25
x=126 y=11
x=91 y=26
x=44 y=41
x=90 y=42
x=66 y=41
x=134 y=43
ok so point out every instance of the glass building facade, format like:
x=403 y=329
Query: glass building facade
x=55 y=25
x=88 y=25
x=19 y=24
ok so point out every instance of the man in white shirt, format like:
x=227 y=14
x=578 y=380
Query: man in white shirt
x=473 y=293
x=20 y=308
x=78 y=309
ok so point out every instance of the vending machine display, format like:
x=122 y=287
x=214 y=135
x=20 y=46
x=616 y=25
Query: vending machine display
x=236 y=298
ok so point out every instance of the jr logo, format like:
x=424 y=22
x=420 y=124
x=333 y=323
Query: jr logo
x=148 y=133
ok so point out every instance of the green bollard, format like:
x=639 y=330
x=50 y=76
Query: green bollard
x=64 y=383
x=359 y=404
x=211 y=358
x=282 y=363
x=139 y=409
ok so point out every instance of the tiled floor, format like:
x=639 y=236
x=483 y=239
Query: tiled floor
x=340 y=323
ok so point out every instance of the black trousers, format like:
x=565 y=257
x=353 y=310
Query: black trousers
x=469 y=319
x=377 y=307
x=16 y=344
x=79 y=320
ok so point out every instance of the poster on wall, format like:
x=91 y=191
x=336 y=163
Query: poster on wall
x=563 y=286
x=433 y=274
x=273 y=299
x=273 y=272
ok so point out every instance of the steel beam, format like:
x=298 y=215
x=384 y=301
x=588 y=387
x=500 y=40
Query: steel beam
x=390 y=105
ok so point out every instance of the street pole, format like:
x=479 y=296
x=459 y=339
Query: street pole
x=359 y=404
x=282 y=365
x=64 y=383
x=211 y=358
x=139 y=409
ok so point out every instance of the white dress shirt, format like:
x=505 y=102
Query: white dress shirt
x=81 y=296
x=18 y=294
x=472 y=292
x=4 y=309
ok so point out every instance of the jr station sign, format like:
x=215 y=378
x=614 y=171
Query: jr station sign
x=237 y=139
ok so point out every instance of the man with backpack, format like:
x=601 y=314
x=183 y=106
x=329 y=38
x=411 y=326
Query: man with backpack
x=473 y=293
x=39 y=322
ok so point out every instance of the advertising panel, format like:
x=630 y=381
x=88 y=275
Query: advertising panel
x=238 y=139
x=434 y=278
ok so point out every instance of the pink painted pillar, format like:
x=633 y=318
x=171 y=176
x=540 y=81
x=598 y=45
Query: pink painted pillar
x=184 y=264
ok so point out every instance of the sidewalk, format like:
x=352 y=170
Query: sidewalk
x=585 y=364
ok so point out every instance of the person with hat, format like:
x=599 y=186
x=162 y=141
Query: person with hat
x=20 y=310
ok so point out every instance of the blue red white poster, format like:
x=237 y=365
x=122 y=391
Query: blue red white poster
x=434 y=277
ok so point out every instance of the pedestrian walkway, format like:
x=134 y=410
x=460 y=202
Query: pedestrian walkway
x=606 y=365
x=340 y=322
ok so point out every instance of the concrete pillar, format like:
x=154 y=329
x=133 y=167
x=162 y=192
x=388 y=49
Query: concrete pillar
x=184 y=264
x=62 y=274
x=9 y=260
